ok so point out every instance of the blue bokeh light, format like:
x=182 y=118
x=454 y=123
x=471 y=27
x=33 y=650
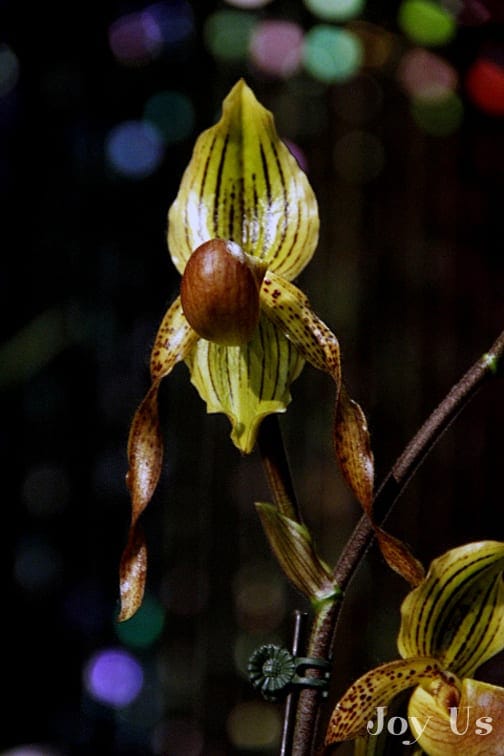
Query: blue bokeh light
x=134 y=149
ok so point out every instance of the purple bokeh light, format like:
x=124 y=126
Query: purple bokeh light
x=113 y=677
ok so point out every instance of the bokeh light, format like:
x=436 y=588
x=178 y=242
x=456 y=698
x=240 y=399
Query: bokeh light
x=335 y=10
x=227 y=34
x=440 y=116
x=485 y=86
x=138 y=38
x=145 y=627
x=276 y=47
x=426 y=22
x=254 y=725
x=422 y=73
x=34 y=345
x=172 y=113
x=174 y=19
x=380 y=46
x=134 y=149
x=358 y=157
x=332 y=54
x=259 y=595
x=9 y=70
x=135 y=39
x=113 y=677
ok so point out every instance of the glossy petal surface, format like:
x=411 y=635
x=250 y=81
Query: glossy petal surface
x=377 y=688
x=246 y=382
x=457 y=613
x=175 y=338
x=287 y=307
x=243 y=184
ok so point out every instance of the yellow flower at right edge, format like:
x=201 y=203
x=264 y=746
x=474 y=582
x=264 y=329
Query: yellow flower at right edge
x=452 y=622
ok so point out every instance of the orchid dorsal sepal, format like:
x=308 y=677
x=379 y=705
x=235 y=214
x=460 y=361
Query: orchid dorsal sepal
x=242 y=183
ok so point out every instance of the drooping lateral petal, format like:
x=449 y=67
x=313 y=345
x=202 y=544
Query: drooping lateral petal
x=132 y=573
x=243 y=184
x=457 y=613
x=174 y=340
x=474 y=727
x=353 y=449
x=293 y=546
x=246 y=382
x=377 y=688
x=290 y=310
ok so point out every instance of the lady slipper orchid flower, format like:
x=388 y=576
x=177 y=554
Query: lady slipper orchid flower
x=243 y=225
x=452 y=622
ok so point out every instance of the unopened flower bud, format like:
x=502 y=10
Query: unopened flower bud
x=220 y=292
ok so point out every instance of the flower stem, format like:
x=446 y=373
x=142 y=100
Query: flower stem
x=414 y=454
x=309 y=723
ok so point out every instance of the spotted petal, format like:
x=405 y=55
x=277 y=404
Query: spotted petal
x=457 y=613
x=287 y=307
x=175 y=338
x=244 y=185
x=246 y=382
x=354 y=712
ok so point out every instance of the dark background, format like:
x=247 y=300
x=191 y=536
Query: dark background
x=408 y=274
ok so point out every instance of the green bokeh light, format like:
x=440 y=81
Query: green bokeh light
x=438 y=117
x=144 y=627
x=172 y=113
x=331 y=54
x=426 y=23
x=335 y=10
x=227 y=34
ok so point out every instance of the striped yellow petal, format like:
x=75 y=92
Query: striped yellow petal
x=457 y=613
x=355 y=711
x=475 y=727
x=242 y=184
x=246 y=382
